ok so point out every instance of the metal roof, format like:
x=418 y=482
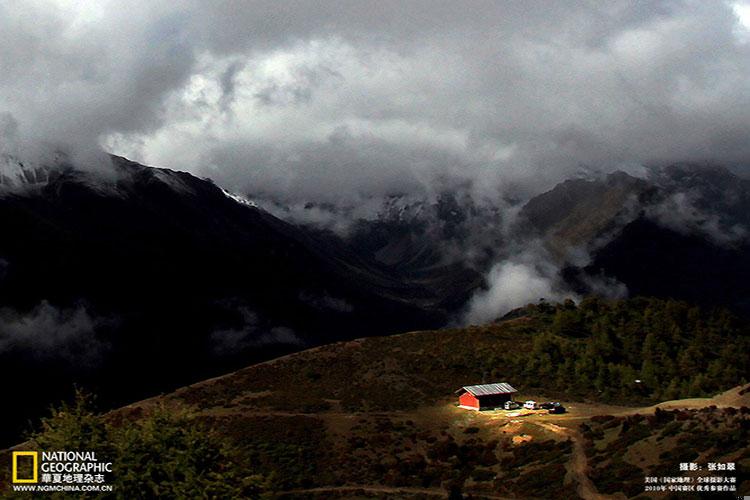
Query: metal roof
x=487 y=389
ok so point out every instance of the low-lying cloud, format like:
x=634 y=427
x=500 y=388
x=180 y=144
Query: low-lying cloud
x=680 y=212
x=519 y=280
x=251 y=331
x=49 y=332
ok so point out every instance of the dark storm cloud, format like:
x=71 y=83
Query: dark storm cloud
x=296 y=97
x=71 y=73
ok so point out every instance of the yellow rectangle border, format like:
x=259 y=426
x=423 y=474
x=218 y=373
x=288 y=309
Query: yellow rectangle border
x=35 y=456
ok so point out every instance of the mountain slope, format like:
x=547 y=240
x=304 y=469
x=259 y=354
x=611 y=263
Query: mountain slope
x=657 y=261
x=577 y=212
x=165 y=278
x=681 y=233
x=377 y=416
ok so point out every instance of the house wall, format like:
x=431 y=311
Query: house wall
x=466 y=399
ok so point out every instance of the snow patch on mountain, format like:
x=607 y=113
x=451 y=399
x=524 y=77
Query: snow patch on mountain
x=15 y=174
x=239 y=199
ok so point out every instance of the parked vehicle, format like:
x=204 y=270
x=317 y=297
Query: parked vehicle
x=511 y=405
x=557 y=408
x=531 y=405
x=548 y=405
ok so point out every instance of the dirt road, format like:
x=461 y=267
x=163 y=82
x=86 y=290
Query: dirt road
x=578 y=464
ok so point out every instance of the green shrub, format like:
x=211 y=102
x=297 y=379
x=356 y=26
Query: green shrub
x=162 y=454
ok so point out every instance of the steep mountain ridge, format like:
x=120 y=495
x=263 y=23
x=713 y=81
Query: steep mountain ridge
x=578 y=212
x=681 y=233
x=164 y=271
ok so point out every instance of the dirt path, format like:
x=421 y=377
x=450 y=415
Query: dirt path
x=735 y=397
x=579 y=464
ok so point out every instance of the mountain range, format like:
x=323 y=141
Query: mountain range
x=167 y=278
x=149 y=279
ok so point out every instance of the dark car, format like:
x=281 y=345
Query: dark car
x=557 y=408
x=548 y=405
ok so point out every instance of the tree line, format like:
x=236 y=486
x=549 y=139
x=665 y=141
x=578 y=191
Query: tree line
x=635 y=350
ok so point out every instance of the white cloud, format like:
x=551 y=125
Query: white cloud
x=742 y=11
x=512 y=283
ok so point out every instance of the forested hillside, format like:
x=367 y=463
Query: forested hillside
x=631 y=350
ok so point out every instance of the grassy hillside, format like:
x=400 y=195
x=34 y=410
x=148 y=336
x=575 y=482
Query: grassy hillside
x=376 y=417
x=381 y=411
x=595 y=351
x=625 y=449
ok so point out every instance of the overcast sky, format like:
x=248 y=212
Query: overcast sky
x=329 y=99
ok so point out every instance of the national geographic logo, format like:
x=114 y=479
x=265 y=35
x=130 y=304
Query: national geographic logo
x=25 y=467
x=59 y=471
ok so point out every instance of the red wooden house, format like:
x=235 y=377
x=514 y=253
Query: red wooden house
x=484 y=396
